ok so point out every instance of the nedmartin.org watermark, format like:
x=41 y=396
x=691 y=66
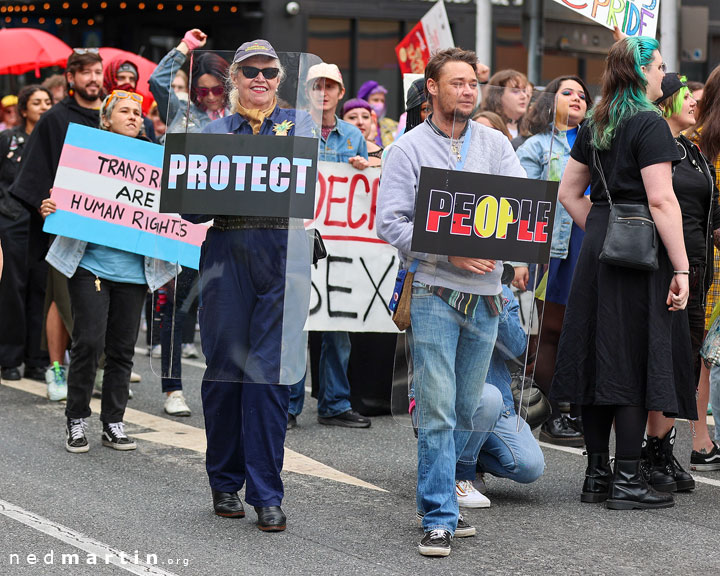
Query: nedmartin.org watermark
x=52 y=558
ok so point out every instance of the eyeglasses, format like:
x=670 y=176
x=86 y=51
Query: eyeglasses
x=251 y=72
x=86 y=50
x=216 y=90
x=122 y=95
x=663 y=67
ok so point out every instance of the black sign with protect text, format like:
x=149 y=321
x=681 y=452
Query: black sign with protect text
x=239 y=175
x=484 y=216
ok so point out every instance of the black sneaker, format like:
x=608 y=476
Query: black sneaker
x=75 y=439
x=463 y=530
x=114 y=437
x=435 y=543
x=349 y=419
x=705 y=460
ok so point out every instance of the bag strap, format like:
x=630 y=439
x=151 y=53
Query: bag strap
x=596 y=162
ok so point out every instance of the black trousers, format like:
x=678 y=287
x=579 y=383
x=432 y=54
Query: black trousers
x=22 y=297
x=104 y=321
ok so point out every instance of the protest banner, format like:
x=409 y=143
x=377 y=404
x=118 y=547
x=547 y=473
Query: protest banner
x=352 y=286
x=426 y=38
x=484 y=216
x=241 y=175
x=633 y=17
x=107 y=191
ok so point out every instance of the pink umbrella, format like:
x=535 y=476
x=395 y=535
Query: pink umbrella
x=26 y=49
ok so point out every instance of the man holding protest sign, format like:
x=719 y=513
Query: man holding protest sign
x=32 y=185
x=341 y=142
x=454 y=299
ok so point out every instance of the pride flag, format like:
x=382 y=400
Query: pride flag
x=107 y=191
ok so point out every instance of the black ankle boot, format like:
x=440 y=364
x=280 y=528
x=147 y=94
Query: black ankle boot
x=658 y=471
x=598 y=476
x=629 y=489
x=684 y=481
x=227 y=504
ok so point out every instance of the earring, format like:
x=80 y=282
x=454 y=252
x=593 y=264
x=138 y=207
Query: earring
x=71 y=89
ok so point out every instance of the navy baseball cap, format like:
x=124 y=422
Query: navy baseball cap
x=254 y=48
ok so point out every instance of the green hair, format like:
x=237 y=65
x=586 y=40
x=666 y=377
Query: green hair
x=623 y=88
x=673 y=105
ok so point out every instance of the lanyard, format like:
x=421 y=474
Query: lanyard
x=465 y=147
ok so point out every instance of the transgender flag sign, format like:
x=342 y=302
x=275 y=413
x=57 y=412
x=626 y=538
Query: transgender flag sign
x=107 y=191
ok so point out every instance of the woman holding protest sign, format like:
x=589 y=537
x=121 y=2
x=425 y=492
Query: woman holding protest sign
x=552 y=124
x=255 y=293
x=617 y=355
x=360 y=114
x=107 y=290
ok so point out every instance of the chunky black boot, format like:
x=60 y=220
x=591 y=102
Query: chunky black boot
x=684 y=481
x=598 y=476
x=657 y=468
x=629 y=489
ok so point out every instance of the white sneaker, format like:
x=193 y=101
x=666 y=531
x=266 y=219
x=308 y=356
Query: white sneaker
x=175 y=404
x=135 y=377
x=156 y=351
x=189 y=351
x=469 y=497
x=56 y=383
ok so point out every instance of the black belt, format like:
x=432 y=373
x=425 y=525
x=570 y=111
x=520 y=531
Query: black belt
x=249 y=222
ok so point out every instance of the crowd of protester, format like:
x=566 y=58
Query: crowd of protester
x=617 y=348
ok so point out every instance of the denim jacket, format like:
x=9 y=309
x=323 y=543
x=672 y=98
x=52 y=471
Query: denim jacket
x=65 y=255
x=535 y=157
x=510 y=343
x=171 y=109
x=343 y=142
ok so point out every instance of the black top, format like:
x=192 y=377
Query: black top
x=695 y=190
x=42 y=151
x=641 y=141
x=12 y=142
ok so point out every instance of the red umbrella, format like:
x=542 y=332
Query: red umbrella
x=145 y=69
x=25 y=49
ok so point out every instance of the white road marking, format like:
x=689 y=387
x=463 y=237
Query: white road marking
x=579 y=452
x=102 y=553
x=171 y=433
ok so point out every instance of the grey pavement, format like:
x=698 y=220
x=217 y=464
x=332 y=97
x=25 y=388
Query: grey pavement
x=156 y=501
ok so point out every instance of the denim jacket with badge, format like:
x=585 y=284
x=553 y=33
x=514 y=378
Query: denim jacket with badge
x=343 y=142
x=542 y=163
x=65 y=255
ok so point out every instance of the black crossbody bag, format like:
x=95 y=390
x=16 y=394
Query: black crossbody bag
x=632 y=239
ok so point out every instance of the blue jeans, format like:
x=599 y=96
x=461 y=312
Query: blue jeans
x=715 y=399
x=508 y=453
x=333 y=385
x=484 y=421
x=451 y=354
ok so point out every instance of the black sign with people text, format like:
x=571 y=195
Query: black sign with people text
x=484 y=216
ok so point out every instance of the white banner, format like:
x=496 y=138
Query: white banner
x=633 y=17
x=437 y=29
x=352 y=286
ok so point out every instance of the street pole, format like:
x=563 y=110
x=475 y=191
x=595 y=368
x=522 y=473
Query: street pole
x=535 y=41
x=483 y=32
x=669 y=36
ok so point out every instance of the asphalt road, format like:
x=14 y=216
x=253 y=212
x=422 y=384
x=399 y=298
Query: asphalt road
x=350 y=501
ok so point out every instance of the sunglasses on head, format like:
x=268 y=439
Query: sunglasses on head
x=123 y=95
x=216 y=90
x=86 y=50
x=251 y=72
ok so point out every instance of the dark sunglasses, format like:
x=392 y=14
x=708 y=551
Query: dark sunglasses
x=216 y=90
x=251 y=72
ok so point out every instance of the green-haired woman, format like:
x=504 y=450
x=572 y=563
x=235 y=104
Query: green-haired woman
x=616 y=355
x=694 y=184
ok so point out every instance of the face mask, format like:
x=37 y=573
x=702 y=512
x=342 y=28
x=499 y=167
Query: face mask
x=379 y=109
